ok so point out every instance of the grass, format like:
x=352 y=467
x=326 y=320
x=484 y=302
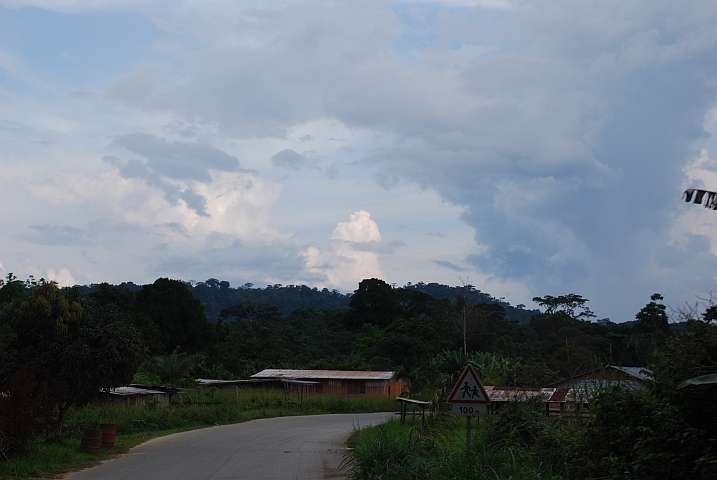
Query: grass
x=137 y=424
x=385 y=451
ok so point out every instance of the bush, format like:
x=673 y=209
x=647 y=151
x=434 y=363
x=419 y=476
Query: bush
x=27 y=407
x=662 y=431
x=520 y=422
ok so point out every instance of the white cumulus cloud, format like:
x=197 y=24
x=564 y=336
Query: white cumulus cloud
x=360 y=228
x=344 y=266
x=63 y=277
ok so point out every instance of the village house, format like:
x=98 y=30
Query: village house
x=338 y=382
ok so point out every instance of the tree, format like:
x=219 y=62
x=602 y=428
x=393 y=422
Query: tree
x=178 y=316
x=664 y=431
x=12 y=289
x=251 y=311
x=374 y=302
x=169 y=369
x=563 y=335
x=651 y=330
x=86 y=347
x=416 y=379
x=652 y=317
x=124 y=301
x=28 y=407
x=568 y=304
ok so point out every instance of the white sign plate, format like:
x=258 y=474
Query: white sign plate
x=470 y=410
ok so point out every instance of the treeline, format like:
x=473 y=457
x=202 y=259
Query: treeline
x=60 y=347
x=68 y=344
x=216 y=295
x=665 y=429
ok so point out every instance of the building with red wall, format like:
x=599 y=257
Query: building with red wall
x=339 y=382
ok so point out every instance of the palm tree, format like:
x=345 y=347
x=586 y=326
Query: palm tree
x=169 y=369
x=416 y=380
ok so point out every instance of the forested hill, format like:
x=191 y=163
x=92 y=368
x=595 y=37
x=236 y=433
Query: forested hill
x=518 y=314
x=217 y=295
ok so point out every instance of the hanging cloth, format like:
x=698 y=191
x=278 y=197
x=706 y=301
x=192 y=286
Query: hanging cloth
x=699 y=195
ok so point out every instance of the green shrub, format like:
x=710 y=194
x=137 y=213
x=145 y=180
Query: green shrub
x=518 y=422
x=385 y=451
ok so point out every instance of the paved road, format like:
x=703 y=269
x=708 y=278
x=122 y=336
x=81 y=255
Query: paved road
x=309 y=447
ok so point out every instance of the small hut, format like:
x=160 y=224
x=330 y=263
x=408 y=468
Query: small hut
x=135 y=395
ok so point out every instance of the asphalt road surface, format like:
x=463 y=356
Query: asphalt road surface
x=307 y=447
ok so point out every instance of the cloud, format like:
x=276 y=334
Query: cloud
x=53 y=235
x=175 y=167
x=236 y=206
x=695 y=220
x=177 y=160
x=380 y=247
x=135 y=87
x=344 y=266
x=560 y=129
x=63 y=277
x=450 y=266
x=291 y=160
x=359 y=228
x=80 y=94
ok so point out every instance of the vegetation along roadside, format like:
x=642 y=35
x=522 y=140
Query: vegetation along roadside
x=60 y=349
x=137 y=424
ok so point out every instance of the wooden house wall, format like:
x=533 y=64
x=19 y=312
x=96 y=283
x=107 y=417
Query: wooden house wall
x=141 y=399
x=374 y=388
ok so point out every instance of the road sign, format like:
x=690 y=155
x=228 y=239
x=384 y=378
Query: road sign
x=470 y=410
x=469 y=390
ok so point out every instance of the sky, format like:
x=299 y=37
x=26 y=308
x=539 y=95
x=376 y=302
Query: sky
x=528 y=148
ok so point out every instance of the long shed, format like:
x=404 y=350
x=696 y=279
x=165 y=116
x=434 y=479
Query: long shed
x=630 y=377
x=137 y=395
x=339 y=382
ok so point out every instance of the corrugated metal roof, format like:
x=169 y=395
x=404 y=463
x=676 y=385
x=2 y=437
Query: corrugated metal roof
x=637 y=373
x=555 y=395
x=280 y=373
x=640 y=373
x=209 y=382
x=127 y=391
x=505 y=394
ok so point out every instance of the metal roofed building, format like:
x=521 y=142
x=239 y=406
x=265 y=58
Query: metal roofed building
x=339 y=382
x=136 y=395
x=630 y=377
x=557 y=401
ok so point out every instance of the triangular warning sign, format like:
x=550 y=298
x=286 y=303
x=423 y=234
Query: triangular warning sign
x=469 y=390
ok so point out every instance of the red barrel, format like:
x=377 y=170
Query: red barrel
x=108 y=435
x=91 y=441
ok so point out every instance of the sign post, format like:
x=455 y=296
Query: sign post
x=469 y=398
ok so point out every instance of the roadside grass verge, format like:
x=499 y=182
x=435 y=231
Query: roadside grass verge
x=501 y=448
x=137 y=424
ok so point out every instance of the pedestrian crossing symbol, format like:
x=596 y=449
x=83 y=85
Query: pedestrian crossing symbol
x=469 y=390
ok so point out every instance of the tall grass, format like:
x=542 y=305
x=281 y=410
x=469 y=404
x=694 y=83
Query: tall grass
x=136 y=424
x=385 y=451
